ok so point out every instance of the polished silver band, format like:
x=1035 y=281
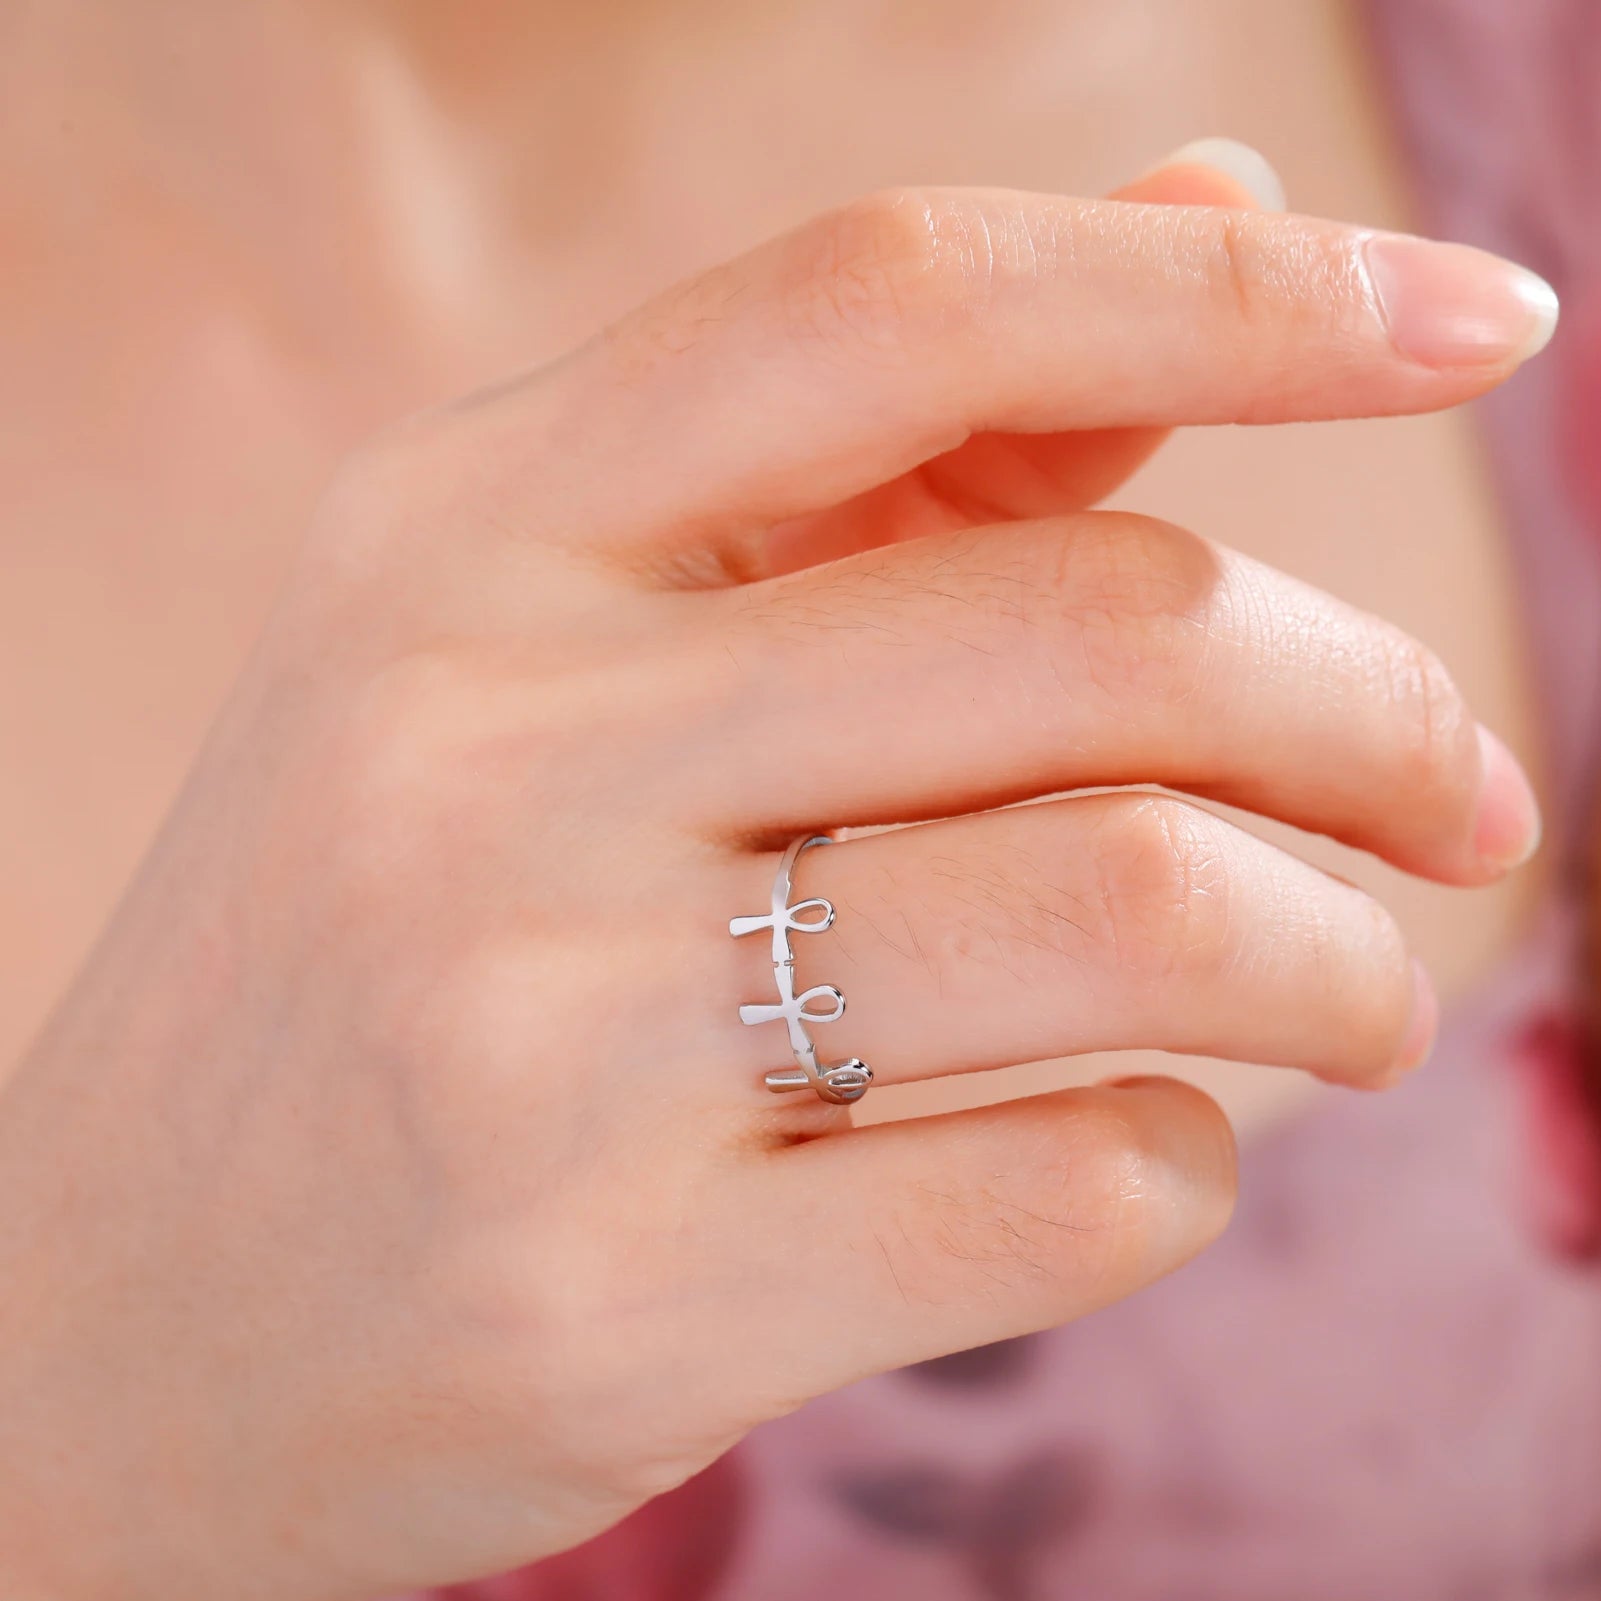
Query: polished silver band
x=840 y=1082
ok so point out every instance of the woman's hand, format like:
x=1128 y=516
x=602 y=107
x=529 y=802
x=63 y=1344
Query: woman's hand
x=396 y=1195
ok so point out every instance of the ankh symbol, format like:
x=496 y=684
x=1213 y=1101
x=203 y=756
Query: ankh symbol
x=840 y=1081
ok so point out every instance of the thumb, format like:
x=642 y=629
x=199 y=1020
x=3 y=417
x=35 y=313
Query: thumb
x=1209 y=172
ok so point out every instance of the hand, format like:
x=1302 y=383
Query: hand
x=396 y=1197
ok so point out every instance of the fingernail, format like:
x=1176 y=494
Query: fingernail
x=1424 y=1024
x=1506 y=832
x=1447 y=305
x=1247 y=167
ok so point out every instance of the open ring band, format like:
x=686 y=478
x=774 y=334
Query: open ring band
x=840 y=1082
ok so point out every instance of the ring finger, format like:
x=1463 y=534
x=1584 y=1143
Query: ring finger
x=1104 y=922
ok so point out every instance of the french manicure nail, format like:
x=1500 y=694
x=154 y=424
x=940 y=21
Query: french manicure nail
x=1506 y=832
x=1446 y=305
x=1424 y=1024
x=1247 y=167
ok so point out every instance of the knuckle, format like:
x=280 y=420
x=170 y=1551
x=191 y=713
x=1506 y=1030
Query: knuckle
x=383 y=773
x=375 y=486
x=1163 y=890
x=418 y=778
x=1130 y=1171
x=426 y=778
x=582 y=1316
x=1278 y=283
x=674 y=322
x=1135 y=600
x=1081 y=1212
x=366 y=484
x=372 y=520
x=1235 y=268
x=1438 y=752
x=593 y=1314
x=888 y=270
x=1375 y=1013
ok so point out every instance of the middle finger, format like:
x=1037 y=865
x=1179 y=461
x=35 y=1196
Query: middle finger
x=977 y=668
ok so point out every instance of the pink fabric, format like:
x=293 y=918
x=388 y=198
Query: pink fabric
x=675 y=1549
x=1499 y=104
x=1386 y=1380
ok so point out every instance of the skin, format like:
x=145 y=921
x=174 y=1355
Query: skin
x=394 y=925
x=449 y=203
x=417 y=919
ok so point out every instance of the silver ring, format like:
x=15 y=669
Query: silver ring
x=840 y=1082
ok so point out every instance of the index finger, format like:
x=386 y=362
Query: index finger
x=994 y=476
x=872 y=339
